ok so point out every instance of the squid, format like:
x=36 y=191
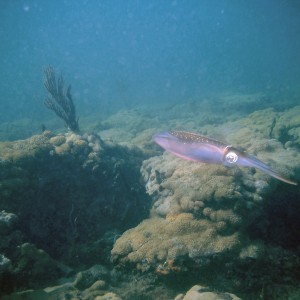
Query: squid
x=198 y=148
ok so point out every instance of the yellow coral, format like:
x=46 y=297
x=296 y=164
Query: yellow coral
x=63 y=149
x=179 y=235
x=57 y=140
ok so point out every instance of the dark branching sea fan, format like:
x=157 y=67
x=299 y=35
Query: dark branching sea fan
x=60 y=100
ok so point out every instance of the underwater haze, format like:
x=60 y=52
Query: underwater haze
x=170 y=169
x=125 y=54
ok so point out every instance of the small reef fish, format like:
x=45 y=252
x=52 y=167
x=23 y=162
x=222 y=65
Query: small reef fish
x=194 y=147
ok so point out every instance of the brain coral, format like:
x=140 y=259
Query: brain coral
x=198 y=211
x=158 y=240
x=211 y=192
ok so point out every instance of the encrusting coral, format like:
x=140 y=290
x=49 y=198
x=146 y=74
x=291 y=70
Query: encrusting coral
x=66 y=192
x=202 y=212
x=164 y=243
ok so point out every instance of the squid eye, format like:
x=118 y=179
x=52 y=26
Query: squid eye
x=231 y=157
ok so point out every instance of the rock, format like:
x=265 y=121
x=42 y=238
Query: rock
x=97 y=285
x=57 y=140
x=198 y=292
x=7 y=221
x=85 y=279
x=27 y=295
x=5 y=264
x=108 y=296
x=35 y=267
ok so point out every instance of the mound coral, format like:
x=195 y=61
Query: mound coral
x=201 y=212
x=164 y=243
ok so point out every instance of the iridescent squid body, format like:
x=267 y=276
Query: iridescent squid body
x=199 y=148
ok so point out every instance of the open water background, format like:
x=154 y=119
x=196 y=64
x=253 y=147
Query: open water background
x=124 y=54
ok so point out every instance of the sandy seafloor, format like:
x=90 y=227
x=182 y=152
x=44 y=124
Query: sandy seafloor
x=230 y=231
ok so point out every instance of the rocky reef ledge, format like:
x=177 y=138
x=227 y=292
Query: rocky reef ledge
x=65 y=199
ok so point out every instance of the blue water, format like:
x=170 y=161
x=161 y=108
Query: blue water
x=74 y=197
x=123 y=54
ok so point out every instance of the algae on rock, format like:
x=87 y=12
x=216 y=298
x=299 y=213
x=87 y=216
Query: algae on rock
x=67 y=191
x=202 y=214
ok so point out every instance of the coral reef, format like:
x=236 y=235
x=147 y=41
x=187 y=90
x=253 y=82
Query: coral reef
x=287 y=128
x=199 y=292
x=199 y=211
x=5 y=264
x=60 y=100
x=98 y=282
x=67 y=195
x=206 y=218
x=168 y=244
x=66 y=200
x=94 y=287
x=87 y=278
x=31 y=265
x=7 y=221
